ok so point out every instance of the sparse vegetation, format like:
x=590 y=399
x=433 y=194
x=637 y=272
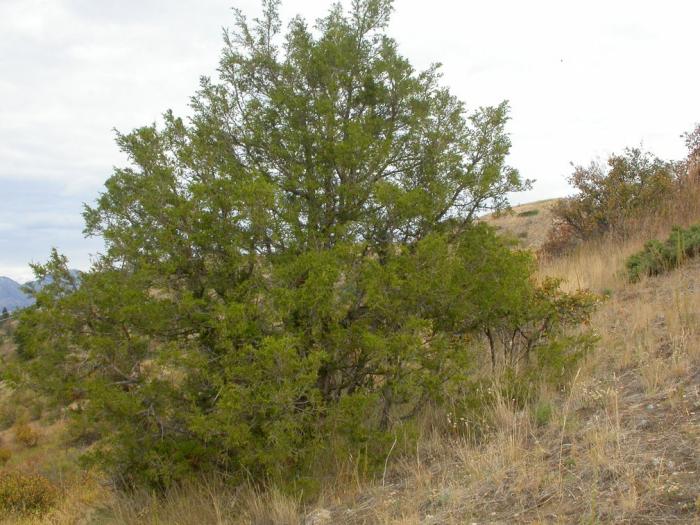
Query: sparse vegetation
x=530 y=230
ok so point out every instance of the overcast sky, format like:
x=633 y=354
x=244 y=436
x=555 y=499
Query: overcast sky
x=583 y=78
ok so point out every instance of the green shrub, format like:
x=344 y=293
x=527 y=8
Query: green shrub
x=612 y=197
x=658 y=257
x=633 y=183
x=542 y=413
x=26 y=494
x=623 y=195
x=5 y=455
x=529 y=213
x=529 y=328
x=8 y=414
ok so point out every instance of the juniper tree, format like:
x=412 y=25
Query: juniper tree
x=297 y=259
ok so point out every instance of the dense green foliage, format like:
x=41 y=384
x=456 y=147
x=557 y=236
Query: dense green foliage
x=530 y=322
x=299 y=260
x=658 y=257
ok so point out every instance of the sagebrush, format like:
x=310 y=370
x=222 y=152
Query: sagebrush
x=658 y=257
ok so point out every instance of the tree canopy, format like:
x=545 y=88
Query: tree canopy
x=306 y=141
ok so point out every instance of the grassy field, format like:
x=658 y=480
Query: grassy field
x=618 y=445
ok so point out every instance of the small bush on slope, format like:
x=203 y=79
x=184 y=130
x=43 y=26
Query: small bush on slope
x=26 y=435
x=26 y=494
x=529 y=213
x=5 y=455
x=658 y=257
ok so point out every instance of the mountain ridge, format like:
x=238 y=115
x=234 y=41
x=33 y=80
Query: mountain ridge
x=11 y=295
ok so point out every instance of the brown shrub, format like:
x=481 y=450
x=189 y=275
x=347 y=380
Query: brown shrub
x=26 y=435
x=23 y=494
x=612 y=194
x=560 y=240
x=634 y=194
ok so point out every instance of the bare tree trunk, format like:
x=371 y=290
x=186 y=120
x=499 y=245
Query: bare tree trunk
x=492 y=346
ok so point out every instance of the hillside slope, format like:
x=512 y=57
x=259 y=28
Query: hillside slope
x=529 y=223
x=618 y=445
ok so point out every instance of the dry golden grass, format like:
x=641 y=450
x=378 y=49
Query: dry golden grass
x=206 y=502
x=585 y=268
x=81 y=491
x=529 y=223
x=79 y=503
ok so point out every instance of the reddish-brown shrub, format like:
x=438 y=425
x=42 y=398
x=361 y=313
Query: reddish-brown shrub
x=561 y=239
x=635 y=193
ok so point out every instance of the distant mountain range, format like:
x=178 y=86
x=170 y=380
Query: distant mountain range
x=11 y=295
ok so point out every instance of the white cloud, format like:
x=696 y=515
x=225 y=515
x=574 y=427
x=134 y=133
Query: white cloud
x=19 y=274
